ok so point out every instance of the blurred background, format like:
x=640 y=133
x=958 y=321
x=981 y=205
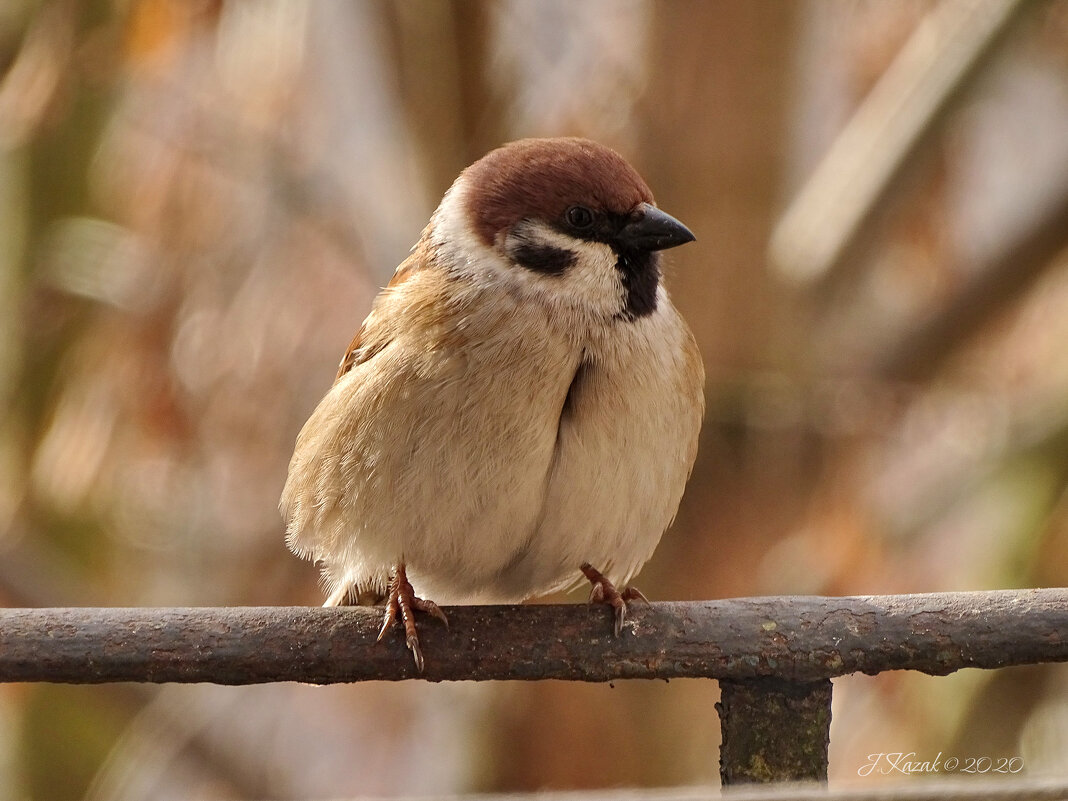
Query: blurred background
x=198 y=201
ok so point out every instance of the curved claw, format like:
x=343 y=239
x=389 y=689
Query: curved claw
x=634 y=594
x=412 y=641
x=392 y=608
x=431 y=609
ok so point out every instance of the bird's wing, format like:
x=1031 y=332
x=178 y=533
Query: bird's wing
x=361 y=349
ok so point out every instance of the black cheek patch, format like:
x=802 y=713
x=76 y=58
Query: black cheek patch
x=641 y=278
x=543 y=258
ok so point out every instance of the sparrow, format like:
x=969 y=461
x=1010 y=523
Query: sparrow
x=522 y=403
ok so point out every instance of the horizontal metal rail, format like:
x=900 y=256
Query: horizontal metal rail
x=773 y=656
x=790 y=638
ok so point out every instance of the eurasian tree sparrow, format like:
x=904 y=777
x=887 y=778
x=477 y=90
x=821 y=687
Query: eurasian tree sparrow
x=522 y=402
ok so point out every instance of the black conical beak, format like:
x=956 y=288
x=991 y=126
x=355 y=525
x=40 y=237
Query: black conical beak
x=649 y=228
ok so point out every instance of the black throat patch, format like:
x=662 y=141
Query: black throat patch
x=641 y=277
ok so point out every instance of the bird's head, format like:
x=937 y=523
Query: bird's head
x=567 y=218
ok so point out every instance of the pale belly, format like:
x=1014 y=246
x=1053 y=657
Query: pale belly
x=614 y=487
x=494 y=487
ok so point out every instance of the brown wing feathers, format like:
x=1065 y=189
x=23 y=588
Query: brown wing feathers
x=354 y=354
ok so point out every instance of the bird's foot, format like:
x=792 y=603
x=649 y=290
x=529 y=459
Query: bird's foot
x=403 y=601
x=605 y=592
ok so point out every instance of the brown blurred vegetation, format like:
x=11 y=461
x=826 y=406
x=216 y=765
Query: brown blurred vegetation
x=198 y=201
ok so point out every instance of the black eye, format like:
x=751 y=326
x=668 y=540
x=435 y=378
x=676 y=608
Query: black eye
x=579 y=217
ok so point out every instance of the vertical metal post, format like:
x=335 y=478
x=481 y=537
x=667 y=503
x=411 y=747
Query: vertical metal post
x=774 y=730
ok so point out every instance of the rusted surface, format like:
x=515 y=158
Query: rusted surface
x=774 y=730
x=794 y=638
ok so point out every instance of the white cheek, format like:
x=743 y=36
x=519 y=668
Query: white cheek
x=591 y=282
x=590 y=286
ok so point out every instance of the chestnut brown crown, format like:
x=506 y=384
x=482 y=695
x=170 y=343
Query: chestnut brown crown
x=543 y=178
